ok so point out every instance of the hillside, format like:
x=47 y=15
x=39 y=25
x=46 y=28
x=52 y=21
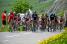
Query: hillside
x=41 y=6
x=38 y=5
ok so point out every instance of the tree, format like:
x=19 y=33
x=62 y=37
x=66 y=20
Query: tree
x=21 y=6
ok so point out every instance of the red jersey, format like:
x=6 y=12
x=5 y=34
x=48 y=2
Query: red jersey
x=11 y=17
x=3 y=16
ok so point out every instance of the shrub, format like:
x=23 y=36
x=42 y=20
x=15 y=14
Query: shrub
x=21 y=6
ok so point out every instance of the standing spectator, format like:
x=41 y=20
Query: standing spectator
x=4 y=19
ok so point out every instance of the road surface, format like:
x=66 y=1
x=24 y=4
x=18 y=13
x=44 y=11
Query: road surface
x=24 y=37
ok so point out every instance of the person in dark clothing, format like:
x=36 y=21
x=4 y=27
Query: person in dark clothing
x=35 y=21
x=66 y=23
x=34 y=16
x=52 y=17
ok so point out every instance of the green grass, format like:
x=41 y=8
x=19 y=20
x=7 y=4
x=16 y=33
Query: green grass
x=61 y=40
x=7 y=29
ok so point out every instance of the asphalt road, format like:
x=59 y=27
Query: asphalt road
x=24 y=37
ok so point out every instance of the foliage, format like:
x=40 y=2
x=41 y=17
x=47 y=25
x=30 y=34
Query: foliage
x=21 y=6
x=50 y=39
x=62 y=40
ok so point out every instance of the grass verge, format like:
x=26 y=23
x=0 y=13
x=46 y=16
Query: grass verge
x=57 y=39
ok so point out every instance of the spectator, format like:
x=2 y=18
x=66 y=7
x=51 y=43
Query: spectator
x=4 y=19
